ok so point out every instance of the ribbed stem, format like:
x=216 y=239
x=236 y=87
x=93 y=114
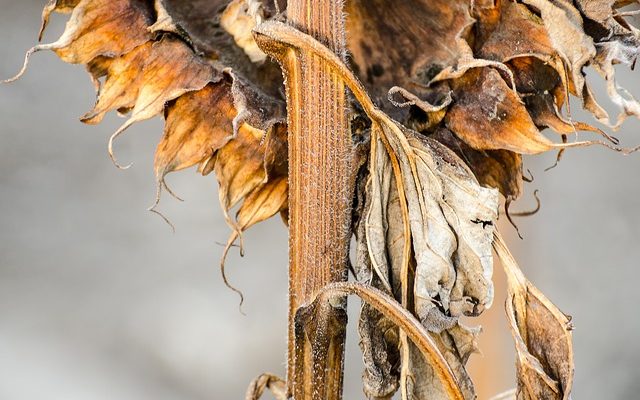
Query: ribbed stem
x=320 y=197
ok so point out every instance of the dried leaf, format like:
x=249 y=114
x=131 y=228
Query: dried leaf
x=542 y=335
x=273 y=383
x=379 y=344
x=456 y=345
x=500 y=169
x=379 y=338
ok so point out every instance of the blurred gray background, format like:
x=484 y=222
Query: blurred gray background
x=99 y=300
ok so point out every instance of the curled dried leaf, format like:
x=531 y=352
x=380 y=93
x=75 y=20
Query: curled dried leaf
x=542 y=335
x=447 y=219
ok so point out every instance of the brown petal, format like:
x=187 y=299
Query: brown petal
x=59 y=6
x=389 y=51
x=239 y=19
x=488 y=115
x=239 y=166
x=197 y=125
x=519 y=33
x=271 y=196
x=263 y=202
x=96 y=27
x=147 y=77
x=565 y=28
x=201 y=21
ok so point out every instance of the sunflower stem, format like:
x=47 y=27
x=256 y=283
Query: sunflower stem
x=320 y=200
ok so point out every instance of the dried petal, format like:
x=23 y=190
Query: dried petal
x=518 y=33
x=96 y=26
x=149 y=54
x=200 y=20
x=59 y=6
x=388 y=51
x=193 y=133
x=564 y=25
x=488 y=115
x=239 y=19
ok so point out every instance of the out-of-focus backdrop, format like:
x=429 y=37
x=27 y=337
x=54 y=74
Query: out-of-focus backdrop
x=99 y=300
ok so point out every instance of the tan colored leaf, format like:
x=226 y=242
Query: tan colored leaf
x=420 y=339
x=379 y=340
x=542 y=335
x=456 y=345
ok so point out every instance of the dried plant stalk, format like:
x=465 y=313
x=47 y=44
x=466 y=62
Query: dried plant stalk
x=320 y=192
